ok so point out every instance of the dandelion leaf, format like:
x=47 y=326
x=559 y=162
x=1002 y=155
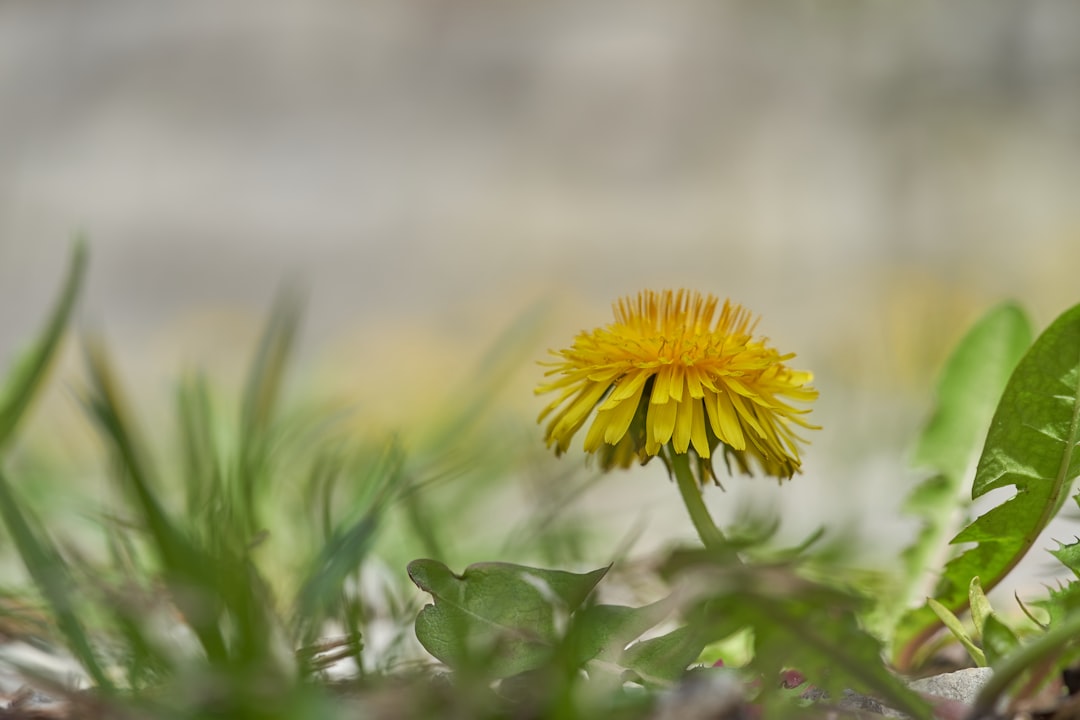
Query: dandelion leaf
x=605 y=638
x=1060 y=602
x=603 y=632
x=971 y=383
x=500 y=618
x=663 y=660
x=795 y=622
x=969 y=387
x=999 y=640
x=1069 y=555
x=1032 y=445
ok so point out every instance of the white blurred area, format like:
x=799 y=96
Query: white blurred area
x=868 y=176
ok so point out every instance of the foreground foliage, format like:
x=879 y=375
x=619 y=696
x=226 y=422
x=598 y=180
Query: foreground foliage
x=234 y=582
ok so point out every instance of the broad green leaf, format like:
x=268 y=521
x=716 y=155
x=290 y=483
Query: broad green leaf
x=663 y=660
x=605 y=637
x=1031 y=445
x=604 y=631
x=26 y=378
x=505 y=618
x=970 y=385
x=998 y=640
x=969 y=388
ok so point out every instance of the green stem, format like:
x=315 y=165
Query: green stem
x=679 y=464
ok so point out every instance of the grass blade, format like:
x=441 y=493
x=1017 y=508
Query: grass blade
x=28 y=376
x=50 y=574
x=260 y=402
x=186 y=568
x=202 y=463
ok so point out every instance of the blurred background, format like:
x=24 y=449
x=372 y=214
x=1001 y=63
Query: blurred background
x=868 y=177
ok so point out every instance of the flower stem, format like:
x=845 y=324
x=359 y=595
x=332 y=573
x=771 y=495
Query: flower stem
x=710 y=534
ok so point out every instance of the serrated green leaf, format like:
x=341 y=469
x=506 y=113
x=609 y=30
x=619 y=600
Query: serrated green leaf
x=503 y=615
x=1060 y=603
x=795 y=622
x=970 y=385
x=1032 y=445
x=1069 y=555
x=1043 y=649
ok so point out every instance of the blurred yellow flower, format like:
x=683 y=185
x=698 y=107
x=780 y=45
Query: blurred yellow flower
x=671 y=372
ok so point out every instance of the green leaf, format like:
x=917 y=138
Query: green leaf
x=1069 y=555
x=604 y=637
x=1044 y=649
x=1031 y=445
x=795 y=622
x=998 y=640
x=980 y=605
x=956 y=627
x=503 y=618
x=604 y=631
x=968 y=390
x=1060 y=603
x=663 y=660
x=25 y=380
x=970 y=385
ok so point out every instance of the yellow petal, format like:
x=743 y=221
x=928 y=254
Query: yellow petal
x=693 y=382
x=629 y=386
x=660 y=422
x=595 y=436
x=573 y=415
x=726 y=423
x=621 y=417
x=745 y=414
x=676 y=387
x=684 y=423
x=661 y=390
x=698 y=436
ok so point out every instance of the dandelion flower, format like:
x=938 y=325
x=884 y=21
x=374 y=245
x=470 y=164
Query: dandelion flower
x=674 y=373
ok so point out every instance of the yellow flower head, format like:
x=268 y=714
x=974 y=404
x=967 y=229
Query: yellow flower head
x=671 y=372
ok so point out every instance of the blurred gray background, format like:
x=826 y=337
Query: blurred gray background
x=868 y=176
